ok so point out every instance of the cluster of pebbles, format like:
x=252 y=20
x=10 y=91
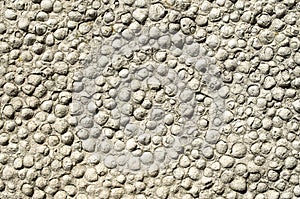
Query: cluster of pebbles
x=131 y=93
x=149 y=99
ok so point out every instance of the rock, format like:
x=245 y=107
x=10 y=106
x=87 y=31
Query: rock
x=161 y=56
x=208 y=152
x=187 y=25
x=27 y=189
x=139 y=114
x=227 y=161
x=134 y=164
x=67 y=138
x=213 y=41
x=47 y=5
x=147 y=158
x=253 y=90
x=10 y=14
x=9 y=111
x=39 y=194
x=266 y=54
x=296 y=105
x=184 y=162
x=212 y=136
x=18 y=163
x=281 y=152
x=164 y=42
x=140 y=15
x=28 y=161
x=154 y=83
x=61 y=110
x=86 y=122
x=278 y=93
x=186 y=95
x=144 y=139
x=60 y=195
x=10 y=89
x=70 y=189
x=160 y=154
x=89 y=145
x=77 y=172
x=109 y=16
x=285 y=114
x=194 y=173
x=186 y=110
x=131 y=144
x=157 y=114
x=264 y=20
x=91 y=175
x=83 y=28
x=206 y=181
x=117 y=193
x=101 y=118
x=221 y=147
x=228 y=116
x=239 y=185
x=119 y=145
x=61 y=33
x=296 y=191
x=23 y=23
x=7 y=173
x=269 y=82
x=162 y=192
x=297 y=58
x=156 y=12
x=178 y=40
x=238 y=150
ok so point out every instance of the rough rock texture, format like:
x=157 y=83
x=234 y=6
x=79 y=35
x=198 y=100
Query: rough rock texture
x=149 y=99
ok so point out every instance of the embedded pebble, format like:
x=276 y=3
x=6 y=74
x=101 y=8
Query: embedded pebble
x=10 y=89
x=269 y=82
x=285 y=114
x=187 y=26
x=238 y=150
x=27 y=189
x=208 y=152
x=239 y=185
x=227 y=161
x=91 y=175
x=156 y=12
x=296 y=105
x=47 y=5
x=212 y=136
x=28 y=161
x=164 y=42
x=10 y=14
x=212 y=41
x=253 y=91
x=134 y=164
x=140 y=15
x=147 y=158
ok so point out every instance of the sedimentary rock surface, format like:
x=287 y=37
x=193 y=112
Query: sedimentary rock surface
x=149 y=99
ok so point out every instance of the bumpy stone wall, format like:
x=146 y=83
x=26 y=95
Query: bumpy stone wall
x=150 y=99
x=145 y=99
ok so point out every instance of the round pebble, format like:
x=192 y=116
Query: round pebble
x=239 y=185
x=238 y=150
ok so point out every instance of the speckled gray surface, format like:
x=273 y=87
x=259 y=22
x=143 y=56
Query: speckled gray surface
x=149 y=99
